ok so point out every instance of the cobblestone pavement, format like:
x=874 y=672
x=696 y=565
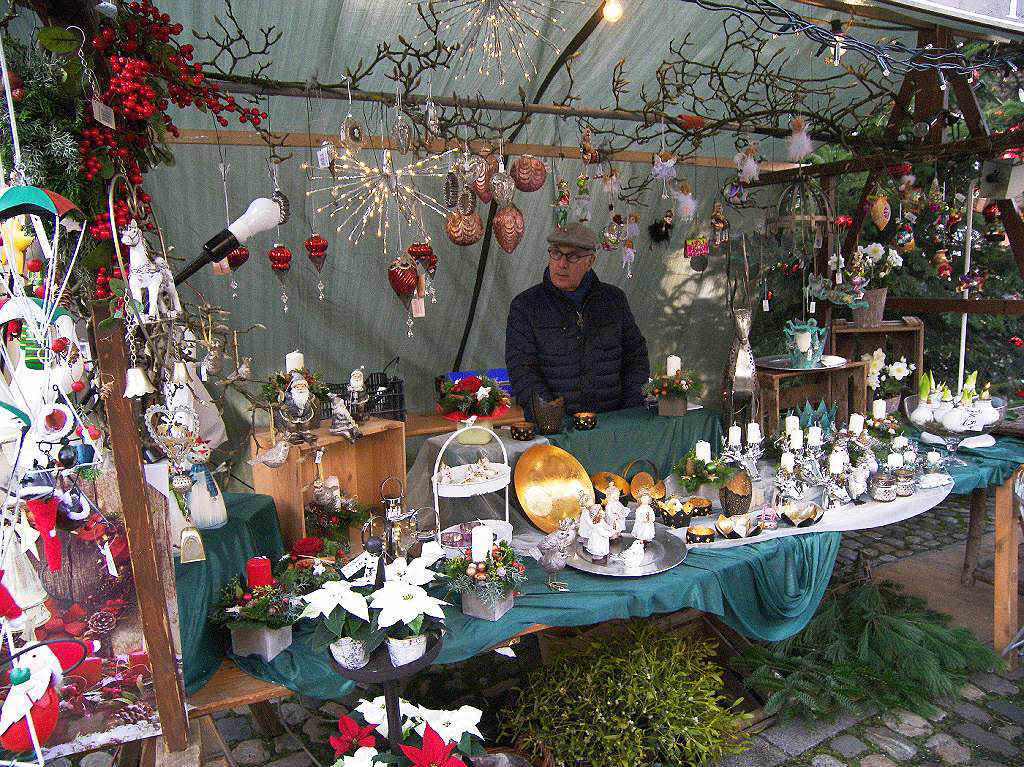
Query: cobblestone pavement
x=982 y=727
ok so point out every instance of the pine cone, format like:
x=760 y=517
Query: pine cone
x=134 y=713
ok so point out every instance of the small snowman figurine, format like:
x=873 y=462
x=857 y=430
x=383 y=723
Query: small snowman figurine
x=643 y=523
x=615 y=512
x=600 y=534
x=586 y=519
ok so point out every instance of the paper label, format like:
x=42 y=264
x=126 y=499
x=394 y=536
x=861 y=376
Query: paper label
x=103 y=114
x=812 y=307
x=357 y=564
x=323 y=157
x=839 y=276
x=417 y=307
x=202 y=372
x=764 y=306
x=318 y=455
x=109 y=559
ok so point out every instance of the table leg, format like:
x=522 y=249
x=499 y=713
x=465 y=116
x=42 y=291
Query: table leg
x=975 y=529
x=1007 y=543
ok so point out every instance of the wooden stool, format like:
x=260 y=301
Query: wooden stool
x=905 y=337
x=844 y=385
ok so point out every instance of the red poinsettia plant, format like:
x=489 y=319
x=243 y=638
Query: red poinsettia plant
x=473 y=395
x=352 y=736
x=433 y=752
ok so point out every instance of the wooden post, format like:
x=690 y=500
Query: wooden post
x=975 y=529
x=1007 y=542
x=142 y=543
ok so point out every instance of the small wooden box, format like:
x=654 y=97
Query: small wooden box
x=899 y=338
x=360 y=469
x=843 y=385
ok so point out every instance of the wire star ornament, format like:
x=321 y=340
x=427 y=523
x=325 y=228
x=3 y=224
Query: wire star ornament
x=497 y=29
x=361 y=194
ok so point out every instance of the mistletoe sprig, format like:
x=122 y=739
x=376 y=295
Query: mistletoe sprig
x=269 y=606
x=693 y=472
x=493 y=580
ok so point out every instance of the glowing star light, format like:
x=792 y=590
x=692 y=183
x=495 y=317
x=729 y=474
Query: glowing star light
x=498 y=28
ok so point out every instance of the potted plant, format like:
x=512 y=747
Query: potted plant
x=871 y=265
x=346 y=626
x=673 y=391
x=887 y=381
x=260 y=619
x=488 y=588
x=407 y=614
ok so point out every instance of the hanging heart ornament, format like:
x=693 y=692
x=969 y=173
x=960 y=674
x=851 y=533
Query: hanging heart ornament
x=509 y=227
x=529 y=173
x=403 y=276
x=464 y=228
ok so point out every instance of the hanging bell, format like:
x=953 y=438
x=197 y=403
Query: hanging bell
x=180 y=375
x=191 y=546
x=137 y=383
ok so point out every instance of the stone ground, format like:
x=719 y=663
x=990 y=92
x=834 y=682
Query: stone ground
x=982 y=727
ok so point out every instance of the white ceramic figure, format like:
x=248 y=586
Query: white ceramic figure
x=205 y=501
x=151 y=275
x=614 y=511
x=600 y=534
x=643 y=524
x=633 y=556
x=585 y=521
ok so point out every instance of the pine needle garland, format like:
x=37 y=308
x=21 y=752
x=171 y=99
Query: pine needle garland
x=868 y=646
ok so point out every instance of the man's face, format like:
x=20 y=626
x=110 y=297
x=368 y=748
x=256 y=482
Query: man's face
x=568 y=265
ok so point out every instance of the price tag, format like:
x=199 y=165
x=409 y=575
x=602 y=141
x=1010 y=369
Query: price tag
x=812 y=307
x=103 y=114
x=417 y=307
x=318 y=456
x=764 y=306
x=355 y=565
x=323 y=157
x=202 y=372
x=839 y=276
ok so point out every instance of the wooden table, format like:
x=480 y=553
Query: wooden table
x=429 y=424
x=1005 y=619
x=844 y=385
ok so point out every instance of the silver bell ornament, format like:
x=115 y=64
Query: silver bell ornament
x=181 y=482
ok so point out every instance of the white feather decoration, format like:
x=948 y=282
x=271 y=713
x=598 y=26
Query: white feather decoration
x=686 y=203
x=800 y=141
x=747 y=165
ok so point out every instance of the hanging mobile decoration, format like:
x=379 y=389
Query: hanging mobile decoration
x=589 y=154
x=799 y=140
x=529 y=173
x=719 y=224
x=747 y=164
x=464 y=228
x=433 y=116
x=661 y=230
x=686 y=204
x=451 y=188
x=612 y=237
x=316 y=248
x=281 y=261
x=351 y=134
x=880 y=211
x=315 y=245
x=663 y=165
x=633 y=226
x=582 y=204
x=561 y=203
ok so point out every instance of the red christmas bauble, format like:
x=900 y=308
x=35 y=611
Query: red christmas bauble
x=238 y=256
x=423 y=253
x=316 y=249
x=59 y=345
x=403 y=276
x=280 y=258
x=77 y=387
x=34 y=265
x=40 y=291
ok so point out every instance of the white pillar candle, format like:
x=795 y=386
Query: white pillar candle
x=673 y=365
x=735 y=436
x=836 y=463
x=909 y=457
x=703 y=451
x=788 y=462
x=294 y=361
x=803 y=341
x=754 y=432
x=900 y=443
x=792 y=423
x=796 y=439
x=483 y=538
x=895 y=461
x=814 y=436
x=878 y=409
x=856 y=423
x=933 y=457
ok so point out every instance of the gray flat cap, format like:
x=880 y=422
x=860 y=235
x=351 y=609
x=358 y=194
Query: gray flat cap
x=574 y=234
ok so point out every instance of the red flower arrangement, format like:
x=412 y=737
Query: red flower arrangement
x=352 y=737
x=473 y=395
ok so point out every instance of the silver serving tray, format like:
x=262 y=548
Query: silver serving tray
x=781 y=362
x=663 y=553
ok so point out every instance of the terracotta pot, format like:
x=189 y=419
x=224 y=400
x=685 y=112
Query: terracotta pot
x=509 y=228
x=529 y=173
x=871 y=316
x=464 y=228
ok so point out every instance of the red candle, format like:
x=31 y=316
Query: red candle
x=257 y=572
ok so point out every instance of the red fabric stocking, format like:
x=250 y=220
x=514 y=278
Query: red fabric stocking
x=44 y=514
x=8 y=607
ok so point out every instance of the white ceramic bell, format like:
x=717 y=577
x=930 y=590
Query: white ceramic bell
x=137 y=383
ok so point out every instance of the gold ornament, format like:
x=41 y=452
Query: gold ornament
x=529 y=173
x=881 y=212
x=464 y=228
x=482 y=183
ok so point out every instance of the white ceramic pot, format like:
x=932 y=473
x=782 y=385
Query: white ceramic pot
x=349 y=652
x=404 y=651
x=265 y=642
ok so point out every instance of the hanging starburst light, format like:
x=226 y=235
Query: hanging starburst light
x=361 y=194
x=497 y=29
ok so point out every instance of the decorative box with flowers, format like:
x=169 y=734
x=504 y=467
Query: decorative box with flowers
x=429 y=738
x=888 y=382
x=673 y=391
x=260 y=619
x=473 y=395
x=695 y=473
x=488 y=588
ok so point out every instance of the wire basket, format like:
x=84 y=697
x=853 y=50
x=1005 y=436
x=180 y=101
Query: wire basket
x=386 y=395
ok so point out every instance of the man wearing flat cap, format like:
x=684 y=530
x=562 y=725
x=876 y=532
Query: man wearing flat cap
x=574 y=336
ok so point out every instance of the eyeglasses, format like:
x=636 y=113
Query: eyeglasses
x=556 y=255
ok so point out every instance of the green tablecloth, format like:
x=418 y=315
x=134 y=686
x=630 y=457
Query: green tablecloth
x=768 y=591
x=623 y=435
x=988 y=467
x=251 y=530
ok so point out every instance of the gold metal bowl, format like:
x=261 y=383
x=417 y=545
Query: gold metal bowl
x=700 y=535
x=548 y=484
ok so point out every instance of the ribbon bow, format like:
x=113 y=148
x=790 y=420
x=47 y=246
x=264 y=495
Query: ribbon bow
x=199 y=473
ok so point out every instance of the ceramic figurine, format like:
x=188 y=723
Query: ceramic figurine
x=553 y=552
x=633 y=556
x=719 y=223
x=600 y=534
x=643 y=524
x=342 y=422
x=151 y=275
x=205 y=501
x=357 y=398
x=857 y=480
x=586 y=518
x=298 y=410
x=614 y=511
x=805 y=342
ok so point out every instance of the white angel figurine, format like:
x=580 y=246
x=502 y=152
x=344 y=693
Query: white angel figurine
x=586 y=520
x=643 y=524
x=615 y=512
x=600 y=534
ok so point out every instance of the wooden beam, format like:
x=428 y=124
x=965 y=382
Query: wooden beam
x=142 y=543
x=303 y=139
x=867 y=10
x=956 y=305
x=1005 y=584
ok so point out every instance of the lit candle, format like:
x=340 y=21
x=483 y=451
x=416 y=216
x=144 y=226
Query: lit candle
x=836 y=463
x=900 y=443
x=294 y=361
x=483 y=538
x=792 y=423
x=754 y=432
x=735 y=436
x=895 y=461
x=856 y=423
x=788 y=462
x=878 y=409
x=796 y=439
x=673 y=365
x=933 y=457
x=702 y=451
x=909 y=457
x=814 y=436
x=258 y=572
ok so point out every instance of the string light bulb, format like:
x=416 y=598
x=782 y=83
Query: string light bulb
x=612 y=11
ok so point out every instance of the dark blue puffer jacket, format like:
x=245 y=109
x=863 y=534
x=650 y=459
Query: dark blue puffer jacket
x=594 y=356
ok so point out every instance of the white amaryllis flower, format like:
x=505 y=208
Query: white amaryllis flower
x=363 y=757
x=415 y=572
x=375 y=712
x=335 y=594
x=483 y=393
x=900 y=369
x=873 y=381
x=836 y=262
x=874 y=252
x=398 y=601
x=451 y=725
x=895 y=259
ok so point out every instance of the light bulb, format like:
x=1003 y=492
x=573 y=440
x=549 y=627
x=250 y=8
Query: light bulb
x=261 y=215
x=612 y=11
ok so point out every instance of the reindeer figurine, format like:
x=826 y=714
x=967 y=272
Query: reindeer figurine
x=151 y=275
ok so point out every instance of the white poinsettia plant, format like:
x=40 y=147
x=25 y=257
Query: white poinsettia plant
x=460 y=726
x=887 y=380
x=401 y=607
x=343 y=612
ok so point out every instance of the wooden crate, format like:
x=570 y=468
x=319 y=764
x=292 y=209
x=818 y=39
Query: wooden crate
x=360 y=469
x=843 y=385
x=900 y=338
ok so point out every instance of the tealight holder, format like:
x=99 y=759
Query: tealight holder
x=584 y=421
x=906 y=478
x=883 y=487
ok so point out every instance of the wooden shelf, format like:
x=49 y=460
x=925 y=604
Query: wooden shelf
x=428 y=424
x=230 y=687
x=899 y=338
x=843 y=385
